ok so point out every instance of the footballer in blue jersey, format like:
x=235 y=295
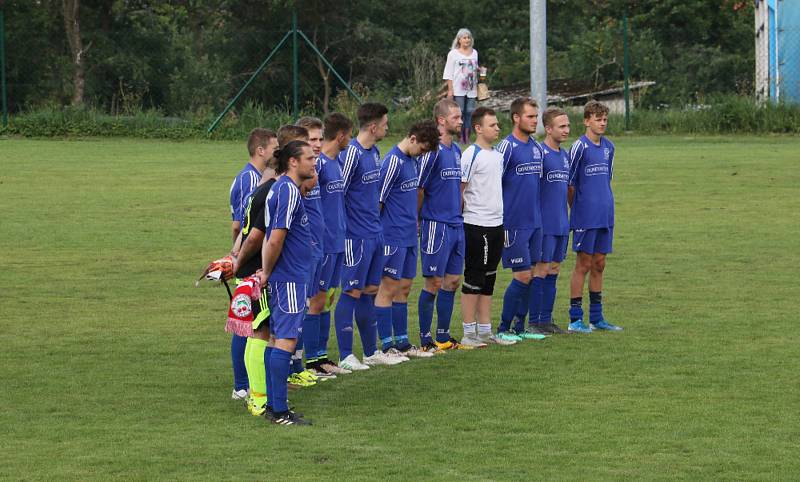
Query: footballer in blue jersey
x=312 y=201
x=300 y=377
x=261 y=143
x=317 y=323
x=591 y=216
x=398 y=201
x=363 y=249
x=245 y=182
x=522 y=215
x=441 y=229
x=286 y=260
x=555 y=221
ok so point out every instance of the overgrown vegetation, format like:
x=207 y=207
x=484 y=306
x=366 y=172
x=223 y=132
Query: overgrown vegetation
x=728 y=114
x=725 y=115
x=165 y=69
x=187 y=59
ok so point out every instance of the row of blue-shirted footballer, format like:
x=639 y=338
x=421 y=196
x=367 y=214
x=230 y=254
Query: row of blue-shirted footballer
x=316 y=212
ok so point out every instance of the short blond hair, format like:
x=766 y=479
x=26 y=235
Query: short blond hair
x=550 y=115
x=291 y=132
x=442 y=108
x=309 y=123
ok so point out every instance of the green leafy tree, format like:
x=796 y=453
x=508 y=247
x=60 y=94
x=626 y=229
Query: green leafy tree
x=191 y=56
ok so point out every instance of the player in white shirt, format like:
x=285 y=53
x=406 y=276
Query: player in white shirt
x=482 y=188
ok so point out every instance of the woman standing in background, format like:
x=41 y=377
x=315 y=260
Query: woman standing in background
x=461 y=74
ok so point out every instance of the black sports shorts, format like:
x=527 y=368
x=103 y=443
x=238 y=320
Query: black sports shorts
x=484 y=246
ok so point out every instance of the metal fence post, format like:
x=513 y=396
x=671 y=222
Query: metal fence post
x=247 y=84
x=328 y=64
x=295 y=67
x=3 y=65
x=294 y=33
x=538 y=39
x=626 y=71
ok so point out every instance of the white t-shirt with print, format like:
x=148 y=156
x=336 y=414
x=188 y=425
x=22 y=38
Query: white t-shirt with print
x=483 y=196
x=463 y=71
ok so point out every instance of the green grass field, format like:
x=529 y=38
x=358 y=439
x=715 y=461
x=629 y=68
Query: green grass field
x=114 y=366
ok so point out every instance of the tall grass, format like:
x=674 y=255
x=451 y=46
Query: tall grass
x=724 y=115
x=149 y=124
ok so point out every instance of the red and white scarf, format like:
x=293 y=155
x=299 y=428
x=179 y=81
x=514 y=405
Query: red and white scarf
x=240 y=311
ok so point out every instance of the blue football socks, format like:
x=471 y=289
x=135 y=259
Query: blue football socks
x=548 y=298
x=324 y=334
x=535 y=299
x=595 y=306
x=367 y=326
x=444 y=312
x=267 y=358
x=400 y=325
x=296 y=363
x=278 y=373
x=310 y=336
x=511 y=301
x=343 y=319
x=425 y=310
x=238 y=344
x=575 y=309
x=523 y=306
x=384 y=316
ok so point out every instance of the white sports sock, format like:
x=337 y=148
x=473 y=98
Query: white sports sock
x=484 y=329
x=469 y=328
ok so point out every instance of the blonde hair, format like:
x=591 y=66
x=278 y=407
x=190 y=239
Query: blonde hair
x=550 y=115
x=442 y=108
x=461 y=33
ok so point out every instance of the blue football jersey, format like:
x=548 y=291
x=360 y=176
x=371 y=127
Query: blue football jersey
x=522 y=170
x=361 y=172
x=285 y=211
x=553 y=191
x=242 y=187
x=331 y=189
x=312 y=202
x=590 y=172
x=399 y=198
x=440 y=180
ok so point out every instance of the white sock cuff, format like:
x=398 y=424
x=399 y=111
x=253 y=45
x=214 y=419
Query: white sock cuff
x=469 y=328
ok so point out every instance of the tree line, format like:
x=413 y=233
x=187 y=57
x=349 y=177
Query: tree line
x=188 y=57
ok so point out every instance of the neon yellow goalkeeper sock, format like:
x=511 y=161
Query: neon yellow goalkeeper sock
x=256 y=374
